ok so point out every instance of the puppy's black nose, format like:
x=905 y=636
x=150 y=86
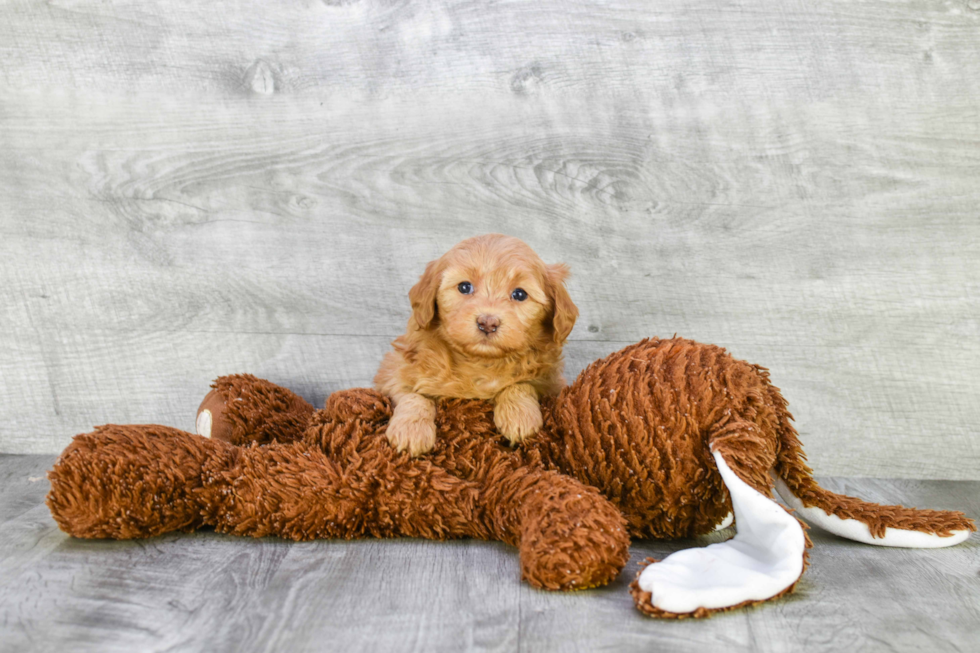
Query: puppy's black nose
x=487 y=323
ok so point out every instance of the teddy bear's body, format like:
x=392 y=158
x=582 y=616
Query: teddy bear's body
x=628 y=450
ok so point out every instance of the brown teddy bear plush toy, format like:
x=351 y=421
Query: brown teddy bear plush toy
x=663 y=439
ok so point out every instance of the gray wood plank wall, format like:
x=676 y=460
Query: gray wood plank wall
x=190 y=189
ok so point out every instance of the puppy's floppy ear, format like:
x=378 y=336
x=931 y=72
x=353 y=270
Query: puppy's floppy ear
x=423 y=294
x=564 y=311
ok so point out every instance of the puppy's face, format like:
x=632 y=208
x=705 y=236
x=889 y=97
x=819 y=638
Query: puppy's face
x=491 y=295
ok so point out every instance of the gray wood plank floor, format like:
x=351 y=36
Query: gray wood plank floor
x=214 y=593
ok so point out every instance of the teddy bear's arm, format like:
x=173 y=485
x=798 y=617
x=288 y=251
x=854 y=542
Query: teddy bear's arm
x=569 y=536
x=136 y=481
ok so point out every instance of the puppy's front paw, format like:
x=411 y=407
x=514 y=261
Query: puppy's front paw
x=412 y=433
x=517 y=414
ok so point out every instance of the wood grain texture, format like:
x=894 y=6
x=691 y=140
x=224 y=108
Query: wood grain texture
x=188 y=190
x=209 y=592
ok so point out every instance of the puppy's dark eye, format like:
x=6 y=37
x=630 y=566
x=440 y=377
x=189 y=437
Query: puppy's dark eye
x=465 y=287
x=519 y=294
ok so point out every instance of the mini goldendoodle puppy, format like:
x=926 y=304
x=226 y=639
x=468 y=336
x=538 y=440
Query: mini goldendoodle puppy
x=489 y=319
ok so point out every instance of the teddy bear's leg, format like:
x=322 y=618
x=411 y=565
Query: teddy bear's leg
x=569 y=536
x=762 y=562
x=131 y=481
x=241 y=408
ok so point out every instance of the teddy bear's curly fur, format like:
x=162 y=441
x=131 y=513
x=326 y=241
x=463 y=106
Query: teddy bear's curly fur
x=625 y=451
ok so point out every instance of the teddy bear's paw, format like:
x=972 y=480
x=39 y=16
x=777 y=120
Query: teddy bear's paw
x=131 y=481
x=572 y=537
x=242 y=408
x=411 y=433
x=517 y=419
x=577 y=563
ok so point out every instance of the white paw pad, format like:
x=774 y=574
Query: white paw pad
x=204 y=423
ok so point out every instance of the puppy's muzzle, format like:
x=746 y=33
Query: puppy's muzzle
x=487 y=323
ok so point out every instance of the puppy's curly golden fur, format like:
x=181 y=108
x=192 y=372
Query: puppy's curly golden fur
x=489 y=319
